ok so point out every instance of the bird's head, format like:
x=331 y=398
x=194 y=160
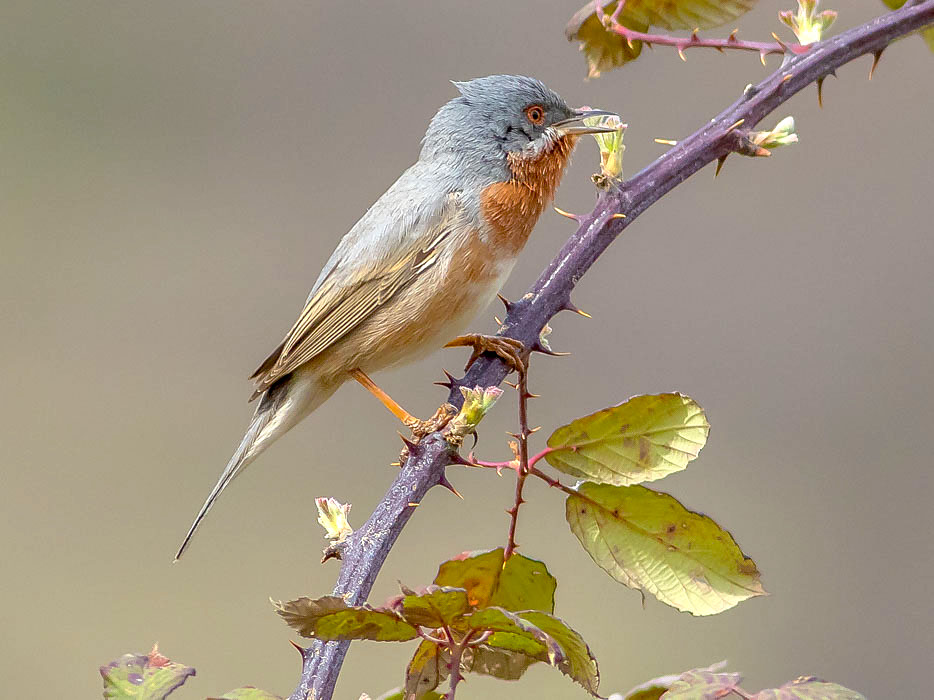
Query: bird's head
x=506 y=118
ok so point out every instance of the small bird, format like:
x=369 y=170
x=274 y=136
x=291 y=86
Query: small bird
x=424 y=260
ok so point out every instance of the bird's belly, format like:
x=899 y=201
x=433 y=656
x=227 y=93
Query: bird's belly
x=423 y=316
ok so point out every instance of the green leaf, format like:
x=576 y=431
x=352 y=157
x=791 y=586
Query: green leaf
x=606 y=50
x=519 y=584
x=540 y=636
x=809 y=688
x=436 y=607
x=331 y=619
x=512 y=633
x=702 y=684
x=505 y=665
x=647 y=540
x=143 y=677
x=426 y=670
x=578 y=662
x=398 y=695
x=247 y=692
x=644 y=439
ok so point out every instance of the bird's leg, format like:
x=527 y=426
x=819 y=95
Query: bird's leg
x=513 y=352
x=419 y=428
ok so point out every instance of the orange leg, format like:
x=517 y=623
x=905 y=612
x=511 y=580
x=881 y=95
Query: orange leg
x=407 y=418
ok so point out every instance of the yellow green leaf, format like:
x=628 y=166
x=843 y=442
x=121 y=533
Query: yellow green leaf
x=436 y=607
x=331 y=619
x=702 y=683
x=518 y=584
x=647 y=540
x=143 y=677
x=505 y=665
x=579 y=663
x=247 y=692
x=428 y=667
x=644 y=439
x=809 y=688
x=606 y=50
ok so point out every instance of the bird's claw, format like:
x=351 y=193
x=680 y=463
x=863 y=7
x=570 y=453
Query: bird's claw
x=421 y=428
x=511 y=351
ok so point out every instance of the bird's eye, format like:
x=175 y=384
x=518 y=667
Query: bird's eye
x=535 y=114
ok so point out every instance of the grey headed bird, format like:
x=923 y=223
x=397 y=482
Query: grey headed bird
x=424 y=260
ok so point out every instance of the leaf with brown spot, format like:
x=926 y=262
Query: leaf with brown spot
x=331 y=619
x=518 y=584
x=606 y=50
x=647 y=540
x=808 y=688
x=435 y=607
x=643 y=439
x=702 y=684
x=427 y=669
x=143 y=677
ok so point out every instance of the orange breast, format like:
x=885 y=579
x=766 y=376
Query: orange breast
x=512 y=208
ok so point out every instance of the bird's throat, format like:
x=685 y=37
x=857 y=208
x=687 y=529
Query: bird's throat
x=512 y=208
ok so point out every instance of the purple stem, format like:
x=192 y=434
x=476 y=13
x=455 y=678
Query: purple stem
x=366 y=549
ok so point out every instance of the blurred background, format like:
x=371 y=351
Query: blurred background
x=176 y=173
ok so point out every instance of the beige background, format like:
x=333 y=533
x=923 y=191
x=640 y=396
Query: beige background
x=175 y=173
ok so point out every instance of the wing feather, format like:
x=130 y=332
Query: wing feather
x=336 y=305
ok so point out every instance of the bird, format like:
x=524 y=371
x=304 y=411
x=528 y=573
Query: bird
x=428 y=256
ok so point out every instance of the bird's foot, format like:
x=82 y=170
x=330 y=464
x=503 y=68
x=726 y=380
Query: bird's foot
x=513 y=352
x=421 y=428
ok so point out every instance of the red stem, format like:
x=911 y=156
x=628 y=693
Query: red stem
x=522 y=472
x=763 y=48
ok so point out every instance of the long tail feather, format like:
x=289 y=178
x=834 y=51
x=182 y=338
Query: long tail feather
x=269 y=411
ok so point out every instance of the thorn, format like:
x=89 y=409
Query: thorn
x=396 y=464
x=514 y=386
x=450 y=380
x=694 y=36
x=457 y=459
x=820 y=92
x=538 y=347
x=778 y=40
x=681 y=54
x=762 y=57
x=498 y=321
x=530 y=395
x=506 y=302
x=666 y=142
x=788 y=77
x=875 y=61
x=733 y=35
x=301 y=650
x=720 y=161
x=532 y=431
x=736 y=125
x=443 y=481
x=618 y=215
x=514 y=435
x=631 y=45
x=411 y=446
x=412 y=504
x=569 y=306
x=567 y=214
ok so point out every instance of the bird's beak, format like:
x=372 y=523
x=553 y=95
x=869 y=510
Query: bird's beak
x=575 y=125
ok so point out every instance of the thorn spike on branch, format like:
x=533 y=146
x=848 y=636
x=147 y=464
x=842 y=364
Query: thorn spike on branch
x=443 y=481
x=618 y=215
x=820 y=92
x=565 y=214
x=762 y=57
x=720 y=161
x=506 y=303
x=410 y=446
x=735 y=125
x=681 y=54
x=875 y=62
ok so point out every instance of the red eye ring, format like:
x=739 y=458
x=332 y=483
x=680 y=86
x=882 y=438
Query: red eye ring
x=535 y=114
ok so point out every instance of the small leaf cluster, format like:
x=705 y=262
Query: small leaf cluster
x=704 y=683
x=484 y=613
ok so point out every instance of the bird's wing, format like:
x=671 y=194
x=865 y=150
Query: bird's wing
x=371 y=264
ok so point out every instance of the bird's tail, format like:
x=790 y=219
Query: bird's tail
x=281 y=407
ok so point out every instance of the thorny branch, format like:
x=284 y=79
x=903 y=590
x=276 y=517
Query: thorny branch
x=366 y=549
x=763 y=48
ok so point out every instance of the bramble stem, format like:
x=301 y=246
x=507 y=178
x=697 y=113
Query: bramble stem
x=368 y=547
x=522 y=473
